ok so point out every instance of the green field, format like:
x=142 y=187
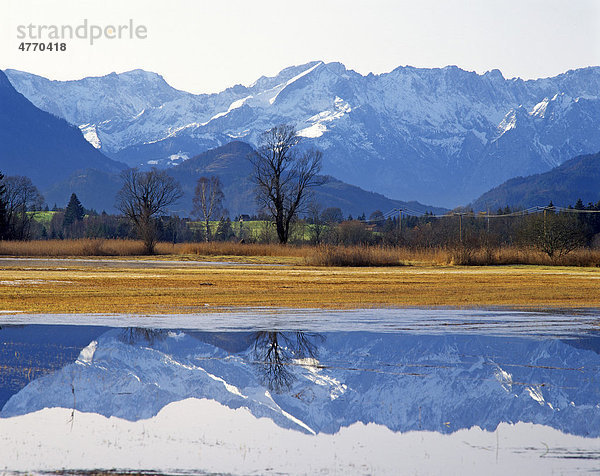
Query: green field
x=258 y=230
x=42 y=217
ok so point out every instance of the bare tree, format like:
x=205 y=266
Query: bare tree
x=284 y=176
x=332 y=216
x=314 y=215
x=555 y=234
x=20 y=197
x=142 y=335
x=208 y=201
x=274 y=353
x=143 y=197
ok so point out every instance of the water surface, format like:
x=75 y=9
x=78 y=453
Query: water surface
x=349 y=391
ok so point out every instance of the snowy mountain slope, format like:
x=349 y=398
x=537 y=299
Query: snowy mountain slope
x=441 y=136
x=406 y=382
x=552 y=131
x=136 y=107
x=40 y=145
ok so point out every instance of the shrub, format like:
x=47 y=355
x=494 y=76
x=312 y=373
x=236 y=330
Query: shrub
x=354 y=256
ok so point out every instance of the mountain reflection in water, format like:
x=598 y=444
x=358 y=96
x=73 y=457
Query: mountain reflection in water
x=306 y=381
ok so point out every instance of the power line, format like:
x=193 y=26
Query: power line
x=528 y=211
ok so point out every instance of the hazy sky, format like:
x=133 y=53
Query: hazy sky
x=205 y=46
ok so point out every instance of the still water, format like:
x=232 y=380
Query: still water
x=303 y=392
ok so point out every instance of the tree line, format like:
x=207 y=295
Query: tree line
x=284 y=175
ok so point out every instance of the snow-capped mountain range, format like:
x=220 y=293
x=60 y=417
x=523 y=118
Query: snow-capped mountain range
x=441 y=136
x=406 y=382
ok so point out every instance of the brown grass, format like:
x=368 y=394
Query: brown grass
x=101 y=247
x=310 y=255
x=358 y=256
x=520 y=255
x=83 y=247
x=245 y=249
x=78 y=288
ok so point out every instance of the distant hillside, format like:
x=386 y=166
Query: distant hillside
x=40 y=145
x=576 y=178
x=230 y=163
x=95 y=189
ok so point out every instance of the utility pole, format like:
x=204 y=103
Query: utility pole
x=399 y=224
x=460 y=215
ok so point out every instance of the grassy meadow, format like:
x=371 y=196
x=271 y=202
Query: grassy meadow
x=326 y=277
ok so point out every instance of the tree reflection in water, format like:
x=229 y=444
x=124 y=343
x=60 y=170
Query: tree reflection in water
x=275 y=351
x=137 y=335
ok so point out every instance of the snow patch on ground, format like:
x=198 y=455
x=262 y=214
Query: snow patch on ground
x=29 y=282
x=539 y=110
x=87 y=354
x=504 y=378
x=316 y=130
x=509 y=122
x=318 y=127
x=536 y=394
x=314 y=375
x=90 y=134
x=179 y=157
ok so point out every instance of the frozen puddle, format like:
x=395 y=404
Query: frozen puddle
x=302 y=392
x=32 y=282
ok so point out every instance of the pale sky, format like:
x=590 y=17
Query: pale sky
x=206 y=46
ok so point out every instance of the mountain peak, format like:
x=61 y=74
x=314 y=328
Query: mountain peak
x=405 y=134
x=140 y=74
x=494 y=74
x=286 y=74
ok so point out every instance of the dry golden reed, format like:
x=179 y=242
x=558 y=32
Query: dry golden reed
x=228 y=248
x=520 y=255
x=354 y=256
x=311 y=255
x=82 y=247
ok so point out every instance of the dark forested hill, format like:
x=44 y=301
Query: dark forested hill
x=40 y=145
x=230 y=163
x=563 y=185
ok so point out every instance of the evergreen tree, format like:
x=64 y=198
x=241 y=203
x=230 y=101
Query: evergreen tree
x=224 y=230
x=74 y=211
